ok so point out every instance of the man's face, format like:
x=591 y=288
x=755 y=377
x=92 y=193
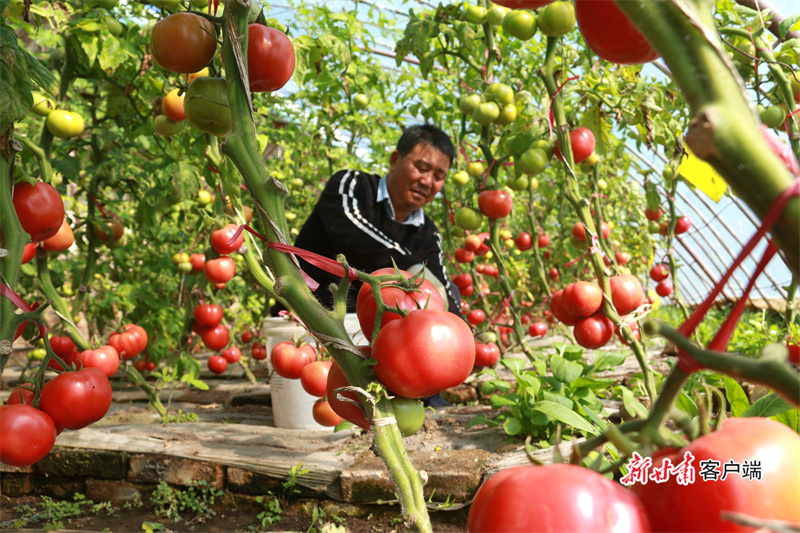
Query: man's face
x=416 y=178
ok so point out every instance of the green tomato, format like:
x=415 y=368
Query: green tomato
x=468 y=218
x=360 y=101
x=500 y=93
x=113 y=25
x=496 y=14
x=37 y=354
x=507 y=115
x=547 y=146
x=65 y=124
x=475 y=14
x=653 y=227
x=166 y=126
x=668 y=173
x=557 y=19
x=519 y=184
x=520 y=24
x=533 y=161
x=602 y=185
x=42 y=105
x=410 y=415
x=204 y=197
x=185 y=267
x=207 y=107
x=773 y=116
x=486 y=113
x=475 y=169
x=460 y=178
x=468 y=103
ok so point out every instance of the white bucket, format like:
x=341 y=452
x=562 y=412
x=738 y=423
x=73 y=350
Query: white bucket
x=291 y=404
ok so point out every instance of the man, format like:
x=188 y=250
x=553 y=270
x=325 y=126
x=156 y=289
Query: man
x=373 y=220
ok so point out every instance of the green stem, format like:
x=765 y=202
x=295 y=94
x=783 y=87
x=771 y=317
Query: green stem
x=45 y=167
x=724 y=130
x=152 y=394
x=59 y=304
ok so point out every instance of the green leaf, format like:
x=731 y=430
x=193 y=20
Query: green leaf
x=479 y=419
x=791 y=418
x=769 y=405
x=632 y=405
x=651 y=195
x=790 y=23
x=605 y=361
x=21 y=73
x=499 y=401
x=515 y=365
x=736 y=396
x=199 y=384
x=563 y=370
x=563 y=414
x=512 y=426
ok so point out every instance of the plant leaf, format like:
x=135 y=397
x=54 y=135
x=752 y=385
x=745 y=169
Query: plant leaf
x=736 y=396
x=563 y=414
x=769 y=405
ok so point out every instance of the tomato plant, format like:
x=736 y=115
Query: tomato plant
x=423 y=353
x=39 y=208
x=270 y=58
x=556 y=497
x=183 y=42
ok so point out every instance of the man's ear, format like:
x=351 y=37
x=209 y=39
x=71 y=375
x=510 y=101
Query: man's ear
x=393 y=159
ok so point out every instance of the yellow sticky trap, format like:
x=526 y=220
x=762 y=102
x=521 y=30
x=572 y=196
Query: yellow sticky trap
x=703 y=176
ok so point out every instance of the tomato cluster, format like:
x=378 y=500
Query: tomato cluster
x=580 y=305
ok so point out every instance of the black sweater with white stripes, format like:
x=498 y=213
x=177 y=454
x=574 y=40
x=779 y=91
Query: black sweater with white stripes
x=349 y=220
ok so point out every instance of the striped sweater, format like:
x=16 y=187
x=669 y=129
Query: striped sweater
x=349 y=220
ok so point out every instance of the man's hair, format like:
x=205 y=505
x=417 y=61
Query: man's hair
x=426 y=134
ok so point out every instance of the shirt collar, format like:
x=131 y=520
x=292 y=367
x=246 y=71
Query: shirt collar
x=416 y=218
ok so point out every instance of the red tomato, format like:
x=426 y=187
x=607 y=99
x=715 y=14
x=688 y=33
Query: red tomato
x=473 y=242
x=217 y=364
x=314 y=377
x=554 y=498
x=622 y=258
x=259 y=351
x=594 y=331
x=486 y=354
x=537 y=329
x=114 y=230
x=423 y=353
x=579 y=231
x=554 y=274
x=609 y=33
x=324 y=415
x=682 y=225
x=26 y=434
x=664 y=288
x=476 y=316
x=626 y=293
x=247 y=336
x=39 y=208
x=172 y=105
x=495 y=204
x=222 y=236
x=270 y=58
x=582 y=298
x=216 y=337
x=232 y=354
x=466 y=291
x=649 y=214
x=198 y=261
x=183 y=42
x=129 y=343
x=462 y=280
x=104 y=358
x=697 y=506
x=543 y=240
x=582 y=142
x=28 y=252
x=62 y=240
x=483 y=249
x=524 y=241
x=220 y=270
x=659 y=272
x=76 y=399
x=634 y=326
x=21 y=395
x=289 y=360
x=208 y=314
x=140 y=365
x=350 y=412
x=366 y=309
x=462 y=255
x=557 y=308
x=794 y=353
x=62 y=346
